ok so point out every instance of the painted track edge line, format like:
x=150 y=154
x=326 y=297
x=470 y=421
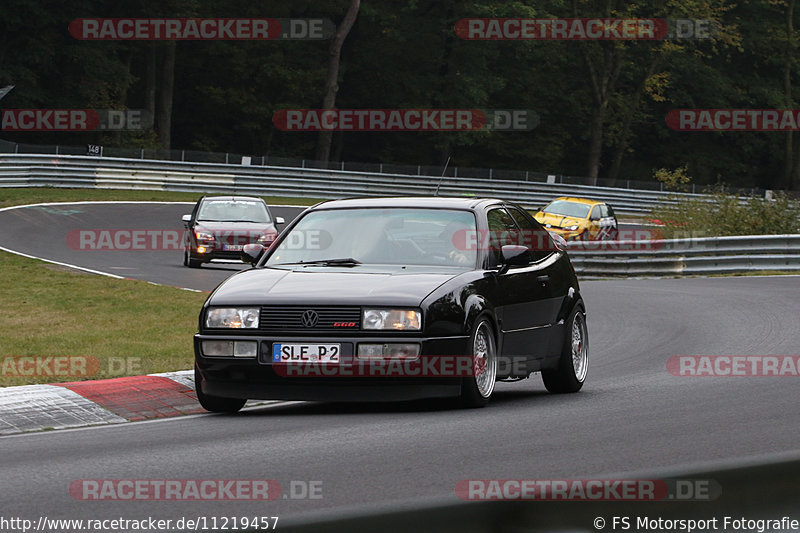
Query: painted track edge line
x=92 y=271
x=85 y=202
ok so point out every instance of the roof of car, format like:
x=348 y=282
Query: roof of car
x=234 y=198
x=409 y=201
x=579 y=200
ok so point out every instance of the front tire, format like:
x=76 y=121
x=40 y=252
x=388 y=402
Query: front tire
x=216 y=404
x=477 y=389
x=188 y=261
x=573 y=363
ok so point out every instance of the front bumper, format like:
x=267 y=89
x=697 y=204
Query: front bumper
x=216 y=254
x=259 y=378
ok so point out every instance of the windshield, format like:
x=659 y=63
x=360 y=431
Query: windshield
x=569 y=209
x=233 y=211
x=393 y=236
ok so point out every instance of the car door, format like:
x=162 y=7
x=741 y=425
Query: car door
x=608 y=222
x=594 y=229
x=523 y=294
x=550 y=273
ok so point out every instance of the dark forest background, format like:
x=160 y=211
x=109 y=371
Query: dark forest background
x=602 y=104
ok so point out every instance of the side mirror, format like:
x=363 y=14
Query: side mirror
x=186 y=219
x=251 y=253
x=516 y=255
x=280 y=220
x=559 y=241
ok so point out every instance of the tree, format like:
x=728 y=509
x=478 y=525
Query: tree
x=332 y=79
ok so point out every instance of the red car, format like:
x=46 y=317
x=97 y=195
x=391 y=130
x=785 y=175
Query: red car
x=220 y=226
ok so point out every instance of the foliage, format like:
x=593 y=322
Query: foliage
x=673 y=180
x=722 y=214
x=403 y=54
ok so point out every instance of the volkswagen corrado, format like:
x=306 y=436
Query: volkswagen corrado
x=394 y=299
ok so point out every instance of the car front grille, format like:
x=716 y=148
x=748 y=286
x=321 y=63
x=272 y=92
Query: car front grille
x=300 y=318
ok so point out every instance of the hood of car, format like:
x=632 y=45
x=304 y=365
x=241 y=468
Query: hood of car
x=558 y=221
x=315 y=285
x=235 y=227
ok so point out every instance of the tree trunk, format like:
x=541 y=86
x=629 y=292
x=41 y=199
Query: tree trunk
x=332 y=79
x=790 y=169
x=150 y=80
x=603 y=81
x=627 y=124
x=165 y=96
x=596 y=142
x=794 y=183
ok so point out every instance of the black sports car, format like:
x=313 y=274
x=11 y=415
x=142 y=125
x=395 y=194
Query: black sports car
x=220 y=226
x=394 y=299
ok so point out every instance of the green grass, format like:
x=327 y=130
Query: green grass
x=35 y=195
x=127 y=327
x=755 y=273
x=130 y=327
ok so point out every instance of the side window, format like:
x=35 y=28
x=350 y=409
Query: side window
x=595 y=214
x=502 y=230
x=196 y=209
x=603 y=211
x=532 y=235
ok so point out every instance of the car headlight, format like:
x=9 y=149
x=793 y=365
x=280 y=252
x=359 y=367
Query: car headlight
x=266 y=239
x=392 y=319
x=571 y=228
x=204 y=236
x=232 y=317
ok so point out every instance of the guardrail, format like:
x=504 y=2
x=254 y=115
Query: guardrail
x=751 y=491
x=35 y=170
x=677 y=257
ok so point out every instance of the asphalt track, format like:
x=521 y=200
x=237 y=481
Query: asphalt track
x=51 y=232
x=44 y=231
x=633 y=415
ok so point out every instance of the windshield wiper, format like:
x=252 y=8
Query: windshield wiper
x=342 y=261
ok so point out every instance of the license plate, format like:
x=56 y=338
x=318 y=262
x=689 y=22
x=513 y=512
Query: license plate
x=233 y=247
x=299 y=353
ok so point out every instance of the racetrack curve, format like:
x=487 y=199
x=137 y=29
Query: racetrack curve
x=51 y=231
x=632 y=415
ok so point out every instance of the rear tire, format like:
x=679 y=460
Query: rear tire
x=216 y=404
x=476 y=390
x=573 y=363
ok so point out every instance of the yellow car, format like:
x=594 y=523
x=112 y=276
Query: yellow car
x=579 y=218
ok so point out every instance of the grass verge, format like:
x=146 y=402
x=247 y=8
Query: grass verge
x=35 y=195
x=64 y=325
x=122 y=327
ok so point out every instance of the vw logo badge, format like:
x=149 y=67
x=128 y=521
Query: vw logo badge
x=310 y=318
